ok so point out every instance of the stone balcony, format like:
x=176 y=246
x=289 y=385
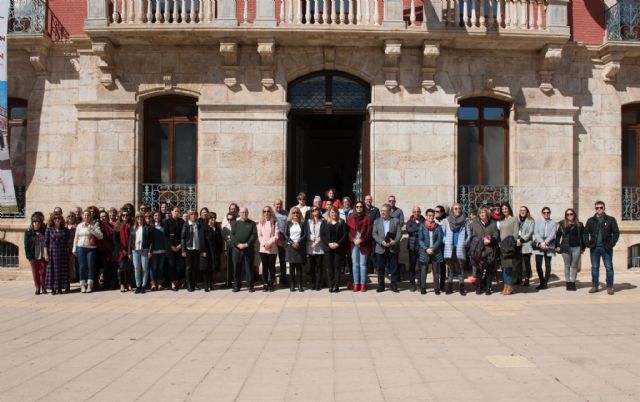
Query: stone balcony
x=474 y=24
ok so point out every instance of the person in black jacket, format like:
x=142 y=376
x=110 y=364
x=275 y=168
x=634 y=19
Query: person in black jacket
x=173 y=232
x=140 y=250
x=210 y=249
x=570 y=245
x=413 y=228
x=601 y=234
x=191 y=248
x=295 y=235
x=34 y=248
x=333 y=233
x=159 y=255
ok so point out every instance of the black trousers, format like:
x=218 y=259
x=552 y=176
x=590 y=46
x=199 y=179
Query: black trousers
x=315 y=264
x=334 y=261
x=125 y=272
x=282 y=253
x=485 y=275
x=268 y=268
x=191 y=266
x=390 y=260
x=242 y=259
x=414 y=255
x=295 y=274
x=523 y=266
x=176 y=265
x=437 y=271
x=543 y=276
x=206 y=269
x=229 y=273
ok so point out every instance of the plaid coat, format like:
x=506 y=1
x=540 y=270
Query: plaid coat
x=57 y=244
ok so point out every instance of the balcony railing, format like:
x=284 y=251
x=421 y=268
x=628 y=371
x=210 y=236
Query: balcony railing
x=476 y=15
x=630 y=203
x=27 y=16
x=477 y=196
x=183 y=196
x=623 y=21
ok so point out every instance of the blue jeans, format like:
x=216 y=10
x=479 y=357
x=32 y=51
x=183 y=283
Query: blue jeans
x=359 y=266
x=141 y=266
x=607 y=257
x=86 y=262
x=157 y=266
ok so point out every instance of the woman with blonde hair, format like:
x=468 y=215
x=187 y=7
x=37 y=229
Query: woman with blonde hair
x=570 y=245
x=85 y=248
x=140 y=249
x=295 y=235
x=267 y=229
x=333 y=233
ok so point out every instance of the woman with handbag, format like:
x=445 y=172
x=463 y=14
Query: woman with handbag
x=333 y=233
x=295 y=235
x=122 y=230
x=570 y=245
x=544 y=247
x=85 y=245
x=140 y=249
x=268 y=235
x=509 y=228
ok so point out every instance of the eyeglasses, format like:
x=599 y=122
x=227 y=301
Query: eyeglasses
x=599 y=207
x=266 y=211
x=438 y=211
x=296 y=213
x=457 y=209
x=546 y=212
x=570 y=214
x=359 y=206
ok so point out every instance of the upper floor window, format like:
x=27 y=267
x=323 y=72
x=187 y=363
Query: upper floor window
x=630 y=145
x=170 y=149
x=483 y=142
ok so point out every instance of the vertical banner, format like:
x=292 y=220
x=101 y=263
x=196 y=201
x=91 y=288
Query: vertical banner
x=8 y=204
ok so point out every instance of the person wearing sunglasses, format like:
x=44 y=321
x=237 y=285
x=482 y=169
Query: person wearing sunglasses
x=570 y=245
x=601 y=234
x=296 y=237
x=545 y=244
x=34 y=248
x=56 y=253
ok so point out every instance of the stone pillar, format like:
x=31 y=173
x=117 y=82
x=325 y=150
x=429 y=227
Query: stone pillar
x=393 y=14
x=265 y=13
x=227 y=13
x=97 y=14
x=557 y=17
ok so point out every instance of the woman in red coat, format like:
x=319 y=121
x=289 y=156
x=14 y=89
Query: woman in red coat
x=360 y=229
x=332 y=200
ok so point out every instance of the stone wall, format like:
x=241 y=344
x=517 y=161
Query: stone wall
x=85 y=140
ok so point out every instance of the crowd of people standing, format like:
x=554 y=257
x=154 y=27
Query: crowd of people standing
x=172 y=249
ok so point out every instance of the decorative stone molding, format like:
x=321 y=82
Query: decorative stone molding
x=412 y=113
x=167 y=79
x=229 y=51
x=392 y=51
x=243 y=112
x=430 y=53
x=611 y=62
x=38 y=58
x=564 y=115
x=103 y=48
x=266 y=50
x=551 y=55
x=329 y=57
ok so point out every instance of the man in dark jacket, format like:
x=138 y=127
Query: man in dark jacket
x=243 y=236
x=601 y=234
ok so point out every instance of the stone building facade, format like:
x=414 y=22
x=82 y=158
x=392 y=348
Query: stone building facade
x=562 y=82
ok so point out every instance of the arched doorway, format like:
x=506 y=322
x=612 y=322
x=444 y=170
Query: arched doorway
x=328 y=135
x=170 y=151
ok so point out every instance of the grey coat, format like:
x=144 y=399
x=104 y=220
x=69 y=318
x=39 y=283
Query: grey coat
x=379 y=235
x=548 y=236
x=526 y=235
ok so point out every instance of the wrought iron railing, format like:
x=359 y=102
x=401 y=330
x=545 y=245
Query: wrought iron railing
x=27 y=16
x=630 y=203
x=623 y=21
x=20 y=200
x=476 y=196
x=8 y=255
x=183 y=196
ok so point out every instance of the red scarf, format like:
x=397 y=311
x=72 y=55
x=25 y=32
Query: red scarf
x=431 y=226
x=124 y=241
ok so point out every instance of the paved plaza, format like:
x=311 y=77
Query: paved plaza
x=316 y=346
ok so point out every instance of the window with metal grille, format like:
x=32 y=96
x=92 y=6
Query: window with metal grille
x=8 y=255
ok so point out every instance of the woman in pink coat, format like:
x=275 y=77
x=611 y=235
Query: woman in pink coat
x=268 y=239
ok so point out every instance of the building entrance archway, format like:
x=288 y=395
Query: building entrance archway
x=328 y=136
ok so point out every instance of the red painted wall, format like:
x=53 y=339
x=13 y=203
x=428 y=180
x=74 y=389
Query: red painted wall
x=586 y=18
x=70 y=14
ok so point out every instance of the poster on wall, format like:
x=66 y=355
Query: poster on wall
x=8 y=204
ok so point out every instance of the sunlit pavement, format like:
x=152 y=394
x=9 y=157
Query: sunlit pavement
x=313 y=346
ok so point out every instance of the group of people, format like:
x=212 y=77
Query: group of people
x=171 y=249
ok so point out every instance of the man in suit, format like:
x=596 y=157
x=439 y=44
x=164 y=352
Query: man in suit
x=387 y=234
